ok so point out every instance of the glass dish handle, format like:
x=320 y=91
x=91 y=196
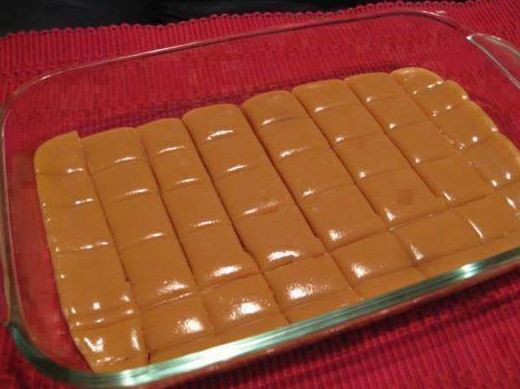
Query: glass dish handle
x=505 y=55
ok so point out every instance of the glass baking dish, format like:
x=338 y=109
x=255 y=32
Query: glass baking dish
x=166 y=82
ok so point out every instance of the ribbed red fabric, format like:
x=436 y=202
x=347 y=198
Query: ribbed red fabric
x=468 y=340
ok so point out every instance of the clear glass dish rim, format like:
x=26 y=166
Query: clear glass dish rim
x=196 y=362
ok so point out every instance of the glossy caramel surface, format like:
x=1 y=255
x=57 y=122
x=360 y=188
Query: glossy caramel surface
x=183 y=234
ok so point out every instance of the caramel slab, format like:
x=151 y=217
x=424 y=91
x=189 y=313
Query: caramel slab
x=180 y=235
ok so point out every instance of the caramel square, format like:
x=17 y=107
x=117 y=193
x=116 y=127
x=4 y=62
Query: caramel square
x=91 y=282
x=389 y=282
x=216 y=122
x=157 y=270
x=512 y=195
x=414 y=79
x=374 y=86
x=371 y=256
x=253 y=328
x=465 y=124
x=233 y=154
x=341 y=215
x=278 y=237
x=216 y=255
x=396 y=112
x=400 y=195
x=184 y=349
x=312 y=172
x=454 y=179
x=107 y=148
x=270 y=107
x=440 y=97
x=164 y=136
x=490 y=217
x=451 y=262
x=422 y=142
x=288 y=138
x=67 y=190
x=178 y=168
x=321 y=305
x=195 y=206
x=239 y=301
x=253 y=191
x=436 y=236
x=60 y=155
x=346 y=122
x=306 y=279
x=510 y=241
x=138 y=219
x=74 y=228
x=322 y=95
x=371 y=155
x=122 y=346
x=124 y=180
x=496 y=159
x=176 y=322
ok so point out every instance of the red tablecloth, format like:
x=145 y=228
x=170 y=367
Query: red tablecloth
x=468 y=340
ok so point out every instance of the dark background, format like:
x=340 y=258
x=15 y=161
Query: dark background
x=23 y=15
